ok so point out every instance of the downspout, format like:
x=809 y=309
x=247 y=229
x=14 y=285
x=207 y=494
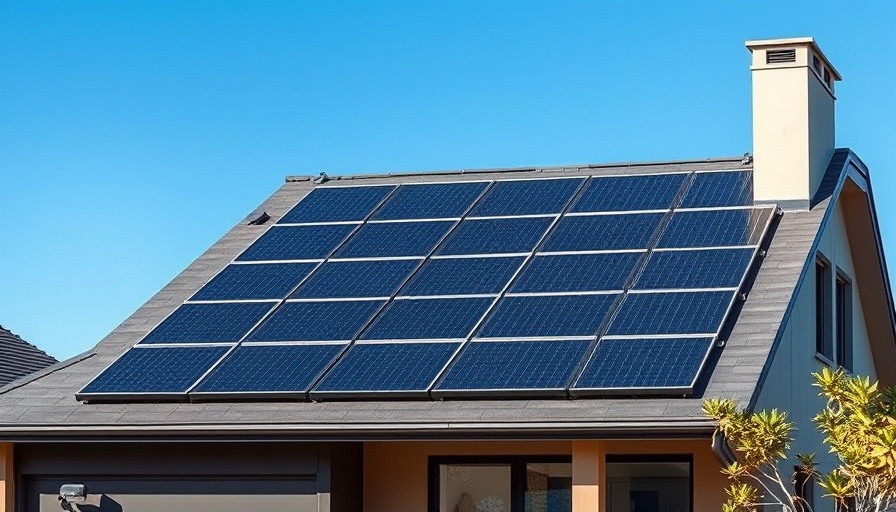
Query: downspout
x=721 y=449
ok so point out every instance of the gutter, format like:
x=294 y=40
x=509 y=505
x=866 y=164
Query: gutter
x=359 y=431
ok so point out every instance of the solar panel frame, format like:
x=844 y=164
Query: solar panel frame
x=208 y=293
x=153 y=338
x=275 y=327
x=500 y=323
x=474 y=190
x=364 y=207
x=215 y=353
x=489 y=204
x=707 y=342
x=628 y=198
x=200 y=389
x=685 y=231
x=630 y=231
x=447 y=350
x=705 y=188
x=292 y=250
x=375 y=240
x=577 y=349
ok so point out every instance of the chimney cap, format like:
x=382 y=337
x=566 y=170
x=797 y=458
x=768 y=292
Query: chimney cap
x=794 y=41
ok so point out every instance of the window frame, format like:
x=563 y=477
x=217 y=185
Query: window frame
x=517 y=464
x=843 y=319
x=656 y=458
x=825 y=346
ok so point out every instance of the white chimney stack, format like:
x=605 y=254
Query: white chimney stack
x=793 y=119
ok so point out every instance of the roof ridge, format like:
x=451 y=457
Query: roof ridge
x=530 y=168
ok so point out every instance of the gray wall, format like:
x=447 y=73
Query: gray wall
x=193 y=477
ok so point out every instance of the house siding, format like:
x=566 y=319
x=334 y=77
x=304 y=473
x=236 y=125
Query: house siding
x=788 y=385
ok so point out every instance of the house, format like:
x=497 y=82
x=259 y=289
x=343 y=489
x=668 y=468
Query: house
x=502 y=340
x=19 y=358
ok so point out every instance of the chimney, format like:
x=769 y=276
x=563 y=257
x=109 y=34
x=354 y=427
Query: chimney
x=793 y=119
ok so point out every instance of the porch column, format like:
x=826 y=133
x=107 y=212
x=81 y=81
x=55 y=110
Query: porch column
x=7 y=479
x=588 y=468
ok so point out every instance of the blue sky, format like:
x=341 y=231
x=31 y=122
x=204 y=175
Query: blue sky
x=134 y=134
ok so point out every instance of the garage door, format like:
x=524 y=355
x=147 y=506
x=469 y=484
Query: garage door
x=193 y=494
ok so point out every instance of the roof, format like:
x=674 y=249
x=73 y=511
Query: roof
x=19 y=358
x=47 y=406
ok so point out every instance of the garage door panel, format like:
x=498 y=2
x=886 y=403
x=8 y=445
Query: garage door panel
x=109 y=494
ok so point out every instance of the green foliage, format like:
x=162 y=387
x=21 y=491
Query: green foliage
x=859 y=427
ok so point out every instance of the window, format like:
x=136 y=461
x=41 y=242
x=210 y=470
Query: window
x=844 y=321
x=824 y=342
x=500 y=484
x=648 y=484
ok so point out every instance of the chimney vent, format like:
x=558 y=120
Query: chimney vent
x=780 y=56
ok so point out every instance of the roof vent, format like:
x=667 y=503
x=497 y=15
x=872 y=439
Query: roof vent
x=258 y=217
x=322 y=178
x=779 y=56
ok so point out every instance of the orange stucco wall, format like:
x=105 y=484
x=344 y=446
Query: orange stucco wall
x=395 y=473
x=7 y=479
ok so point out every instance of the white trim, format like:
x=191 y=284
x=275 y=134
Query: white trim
x=184 y=344
x=231 y=301
x=408 y=341
x=478 y=256
x=589 y=253
x=708 y=336
x=268 y=262
x=449 y=297
x=710 y=248
x=660 y=291
x=324 y=223
x=607 y=213
x=508 y=217
x=412 y=219
x=291 y=343
x=526 y=339
x=374 y=259
x=335 y=299
x=563 y=294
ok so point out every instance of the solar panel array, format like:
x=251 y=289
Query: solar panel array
x=579 y=286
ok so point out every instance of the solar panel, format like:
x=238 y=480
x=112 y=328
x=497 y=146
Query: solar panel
x=394 y=239
x=513 y=365
x=629 y=193
x=710 y=268
x=155 y=370
x=384 y=368
x=209 y=323
x=603 y=232
x=577 y=272
x=671 y=313
x=428 y=319
x=256 y=281
x=711 y=189
x=650 y=364
x=433 y=201
x=716 y=228
x=317 y=321
x=269 y=369
x=357 y=279
x=457 y=276
x=527 y=197
x=495 y=236
x=559 y=315
x=297 y=242
x=333 y=204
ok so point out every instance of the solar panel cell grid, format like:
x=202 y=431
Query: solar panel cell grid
x=629 y=193
x=428 y=319
x=155 y=370
x=580 y=272
x=251 y=282
x=435 y=201
x=562 y=315
x=357 y=279
x=514 y=365
x=713 y=268
x=297 y=242
x=317 y=321
x=645 y=363
x=671 y=313
x=333 y=204
x=395 y=239
x=209 y=323
x=496 y=236
x=527 y=197
x=603 y=232
x=386 y=367
x=266 y=368
x=716 y=228
x=711 y=189
x=463 y=276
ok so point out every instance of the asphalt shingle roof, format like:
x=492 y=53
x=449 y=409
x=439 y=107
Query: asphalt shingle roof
x=19 y=358
x=47 y=403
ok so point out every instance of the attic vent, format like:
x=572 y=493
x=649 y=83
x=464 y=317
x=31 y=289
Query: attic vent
x=778 y=56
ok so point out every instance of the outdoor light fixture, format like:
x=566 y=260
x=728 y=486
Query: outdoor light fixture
x=72 y=493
